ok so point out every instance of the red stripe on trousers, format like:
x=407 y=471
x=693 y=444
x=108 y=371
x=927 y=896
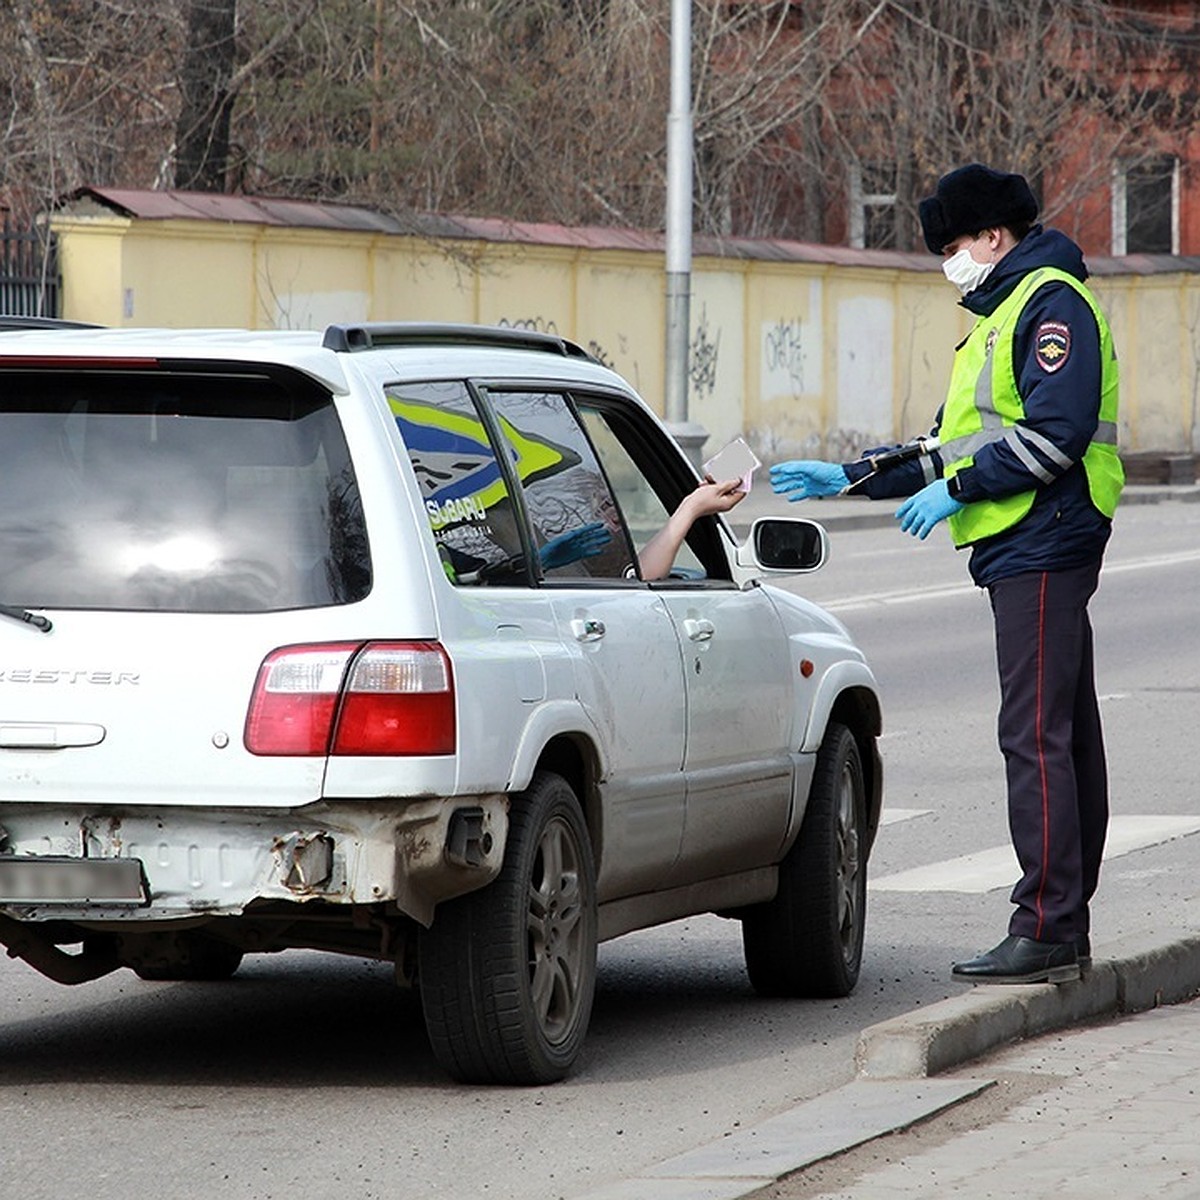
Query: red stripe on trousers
x=1041 y=751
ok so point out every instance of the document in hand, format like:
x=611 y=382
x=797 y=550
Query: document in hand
x=735 y=461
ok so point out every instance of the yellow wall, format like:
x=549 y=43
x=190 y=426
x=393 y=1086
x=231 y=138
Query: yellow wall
x=802 y=358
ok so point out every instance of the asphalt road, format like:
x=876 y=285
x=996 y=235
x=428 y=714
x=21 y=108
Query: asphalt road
x=308 y=1074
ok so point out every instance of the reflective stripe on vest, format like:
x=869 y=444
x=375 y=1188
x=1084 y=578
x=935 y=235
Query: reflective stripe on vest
x=984 y=405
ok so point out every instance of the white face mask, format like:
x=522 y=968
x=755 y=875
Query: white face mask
x=964 y=272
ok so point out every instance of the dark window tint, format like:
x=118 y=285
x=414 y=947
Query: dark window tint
x=649 y=480
x=577 y=527
x=1149 y=189
x=466 y=497
x=643 y=508
x=178 y=492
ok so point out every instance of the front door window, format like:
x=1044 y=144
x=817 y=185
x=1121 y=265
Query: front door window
x=577 y=527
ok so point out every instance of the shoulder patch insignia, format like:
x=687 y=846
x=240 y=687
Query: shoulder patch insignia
x=1052 y=345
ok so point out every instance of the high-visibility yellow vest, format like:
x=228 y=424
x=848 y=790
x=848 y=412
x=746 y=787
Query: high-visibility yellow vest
x=983 y=405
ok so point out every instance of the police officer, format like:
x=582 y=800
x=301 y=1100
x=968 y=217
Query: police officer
x=1026 y=473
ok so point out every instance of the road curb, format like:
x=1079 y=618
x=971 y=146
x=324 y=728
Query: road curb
x=1130 y=975
x=754 y=1157
x=895 y=1058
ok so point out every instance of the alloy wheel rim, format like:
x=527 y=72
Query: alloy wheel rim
x=555 y=930
x=849 y=865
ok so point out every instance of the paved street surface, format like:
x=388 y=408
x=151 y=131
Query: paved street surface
x=308 y=1073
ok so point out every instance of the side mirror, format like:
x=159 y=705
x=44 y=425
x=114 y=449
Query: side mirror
x=784 y=545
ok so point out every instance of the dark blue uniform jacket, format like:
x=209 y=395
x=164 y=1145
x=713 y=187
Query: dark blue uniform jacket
x=1063 y=529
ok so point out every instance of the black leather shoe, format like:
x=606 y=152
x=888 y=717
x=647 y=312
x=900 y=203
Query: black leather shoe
x=1022 y=960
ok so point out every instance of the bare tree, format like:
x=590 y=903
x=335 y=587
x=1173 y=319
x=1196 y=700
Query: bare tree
x=205 y=72
x=555 y=110
x=85 y=97
x=540 y=109
x=49 y=126
x=1058 y=91
x=211 y=76
x=763 y=72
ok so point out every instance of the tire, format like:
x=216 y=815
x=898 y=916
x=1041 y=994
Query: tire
x=507 y=974
x=197 y=958
x=808 y=940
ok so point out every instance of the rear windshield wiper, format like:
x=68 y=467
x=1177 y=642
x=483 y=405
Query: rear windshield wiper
x=30 y=618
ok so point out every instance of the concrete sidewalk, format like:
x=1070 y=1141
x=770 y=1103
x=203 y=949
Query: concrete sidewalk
x=1110 y=1107
x=1098 y=1111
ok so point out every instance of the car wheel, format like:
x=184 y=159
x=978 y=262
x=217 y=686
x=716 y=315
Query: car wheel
x=506 y=974
x=193 y=958
x=808 y=940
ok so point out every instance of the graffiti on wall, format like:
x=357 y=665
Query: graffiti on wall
x=783 y=358
x=791 y=368
x=545 y=325
x=533 y=324
x=598 y=352
x=703 y=354
x=834 y=445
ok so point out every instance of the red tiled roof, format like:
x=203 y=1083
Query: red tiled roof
x=150 y=205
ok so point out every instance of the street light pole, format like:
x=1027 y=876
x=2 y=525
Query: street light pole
x=679 y=234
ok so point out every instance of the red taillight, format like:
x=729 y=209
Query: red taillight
x=399 y=699
x=295 y=699
x=346 y=699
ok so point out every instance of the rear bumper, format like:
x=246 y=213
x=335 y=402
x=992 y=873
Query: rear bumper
x=410 y=854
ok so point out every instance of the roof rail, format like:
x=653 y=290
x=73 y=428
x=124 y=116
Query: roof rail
x=375 y=334
x=8 y=321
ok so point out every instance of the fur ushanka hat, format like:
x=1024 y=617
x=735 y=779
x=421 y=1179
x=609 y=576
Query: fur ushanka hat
x=971 y=199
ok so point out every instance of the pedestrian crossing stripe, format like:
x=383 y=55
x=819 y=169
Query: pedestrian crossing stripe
x=988 y=870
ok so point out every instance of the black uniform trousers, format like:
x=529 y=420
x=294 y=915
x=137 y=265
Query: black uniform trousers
x=1053 y=747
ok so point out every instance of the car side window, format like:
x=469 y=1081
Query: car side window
x=643 y=508
x=577 y=526
x=650 y=479
x=466 y=495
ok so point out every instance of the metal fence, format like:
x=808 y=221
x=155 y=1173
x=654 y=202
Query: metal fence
x=30 y=276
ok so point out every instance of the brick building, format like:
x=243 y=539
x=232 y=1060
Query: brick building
x=1096 y=101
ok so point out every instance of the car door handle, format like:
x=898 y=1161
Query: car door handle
x=587 y=630
x=698 y=630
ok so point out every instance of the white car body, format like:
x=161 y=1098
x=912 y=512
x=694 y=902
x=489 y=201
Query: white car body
x=686 y=716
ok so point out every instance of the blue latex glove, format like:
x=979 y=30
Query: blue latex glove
x=805 y=477
x=921 y=512
x=585 y=542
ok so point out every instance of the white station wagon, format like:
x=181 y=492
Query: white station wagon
x=296 y=650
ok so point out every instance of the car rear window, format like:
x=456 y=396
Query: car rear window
x=200 y=492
